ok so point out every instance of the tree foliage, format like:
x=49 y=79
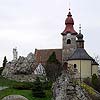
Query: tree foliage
x=52 y=58
x=94 y=79
x=4 y=64
x=4 y=61
x=37 y=89
x=96 y=82
x=53 y=67
x=1 y=69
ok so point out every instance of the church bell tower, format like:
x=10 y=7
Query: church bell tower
x=68 y=38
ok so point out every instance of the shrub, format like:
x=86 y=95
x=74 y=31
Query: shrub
x=94 y=79
x=93 y=97
x=87 y=81
x=37 y=89
x=23 y=86
x=95 y=82
x=47 y=85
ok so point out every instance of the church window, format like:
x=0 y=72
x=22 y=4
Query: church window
x=68 y=41
x=75 y=65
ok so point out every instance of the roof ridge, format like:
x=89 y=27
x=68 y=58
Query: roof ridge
x=50 y=49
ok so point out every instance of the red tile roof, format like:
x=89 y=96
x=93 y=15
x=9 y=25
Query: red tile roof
x=69 y=22
x=42 y=55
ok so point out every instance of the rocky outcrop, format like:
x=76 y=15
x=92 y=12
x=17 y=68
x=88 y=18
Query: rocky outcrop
x=67 y=88
x=14 y=97
x=21 y=69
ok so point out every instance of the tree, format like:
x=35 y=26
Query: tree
x=53 y=67
x=37 y=89
x=4 y=61
x=1 y=69
x=96 y=82
x=94 y=79
x=52 y=58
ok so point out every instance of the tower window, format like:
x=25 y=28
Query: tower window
x=75 y=66
x=68 y=41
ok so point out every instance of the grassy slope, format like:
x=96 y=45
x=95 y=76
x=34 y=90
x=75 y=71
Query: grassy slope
x=26 y=93
x=6 y=82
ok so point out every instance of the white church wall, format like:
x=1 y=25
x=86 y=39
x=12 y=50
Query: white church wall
x=83 y=66
x=95 y=69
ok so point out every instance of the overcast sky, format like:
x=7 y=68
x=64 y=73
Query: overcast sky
x=30 y=24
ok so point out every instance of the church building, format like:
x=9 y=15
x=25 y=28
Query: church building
x=72 y=51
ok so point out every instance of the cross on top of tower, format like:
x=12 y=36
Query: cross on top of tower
x=80 y=36
x=79 y=28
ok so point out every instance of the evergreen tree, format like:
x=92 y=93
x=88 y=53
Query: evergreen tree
x=4 y=61
x=37 y=89
x=52 y=58
x=53 y=67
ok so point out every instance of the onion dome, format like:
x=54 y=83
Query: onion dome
x=69 y=22
x=80 y=41
x=80 y=36
x=69 y=19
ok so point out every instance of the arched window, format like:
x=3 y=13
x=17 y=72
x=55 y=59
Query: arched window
x=75 y=66
x=68 y=41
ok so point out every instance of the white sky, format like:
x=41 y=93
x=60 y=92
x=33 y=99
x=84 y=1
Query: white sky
x=30 y=24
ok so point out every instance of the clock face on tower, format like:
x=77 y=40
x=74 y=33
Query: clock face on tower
x=69 y=35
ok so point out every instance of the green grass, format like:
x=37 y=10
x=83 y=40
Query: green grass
x=6 y=82
x=89 y=89
x=25 y=93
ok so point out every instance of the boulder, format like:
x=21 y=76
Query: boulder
x=14 y=97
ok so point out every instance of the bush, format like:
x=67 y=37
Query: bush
x=87 y=81
x=47 y=85
x=95 y=97
x=95 y=82
x=37 y=89
x=23 y=86
x=94 y=79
